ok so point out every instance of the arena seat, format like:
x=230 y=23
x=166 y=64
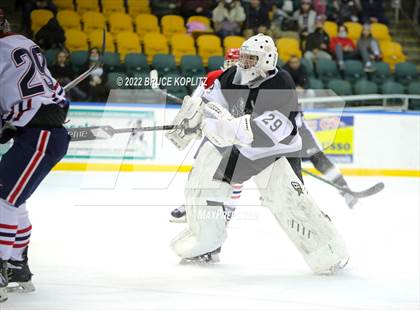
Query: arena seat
x=69 y=20
x=120 y=22
x=84 y=6
x=315 y=83
x=392 y=53
x=95 y=39
x=136 y=7
x=215 y=63
x=326 y=69
x=76 y=40
x=50 y=56
x=380 y=32
x=354 y=30
x=287 y=47
x=182 y=44
x=330 y=28
x=192 y=65
x=382 y=72
x=209 y=45
x=112 y=61
x=340 y=87
x=365 y=87
x=164 y=63
x=135 y=62
x=172 y=24
x=308 y=65
x=405 y=72
x=112 y=6
x=78 y=60
x=93 y=21
x=391 y=87
x=233 y=42
x=39 y=18
x=112 y=79
x=127 y=42
x=414 y=89
x=353 y=70
x=146 y=23
x=155 y=43
x=64 y=4
x=198 y=18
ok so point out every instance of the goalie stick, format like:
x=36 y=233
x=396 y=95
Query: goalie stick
x=360 y=194
x=85 y=74
x=107 y=132
x=154 y=78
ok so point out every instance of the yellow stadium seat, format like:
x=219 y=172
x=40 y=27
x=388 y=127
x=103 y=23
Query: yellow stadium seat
x=128 y=42
x=182 y=44
x=64 y=4
x=354 y=30
x=288 y=47
x=209 y=45
x=172 y=24
x=119 y=22
x=146 y=23
x=68 y=19
x=39 y=18
x=232 y=42
x=112 y=6
x=93 y=21
x=76 y=40
x=380 y=32
x=392 y=53
x=155 y=43
x=202 y=19
x=330 y=28
x=95 y=39
x=87 y=6
x=136 y=7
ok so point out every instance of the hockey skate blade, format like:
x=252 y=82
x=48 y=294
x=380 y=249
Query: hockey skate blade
x=179 y=220
x=199 y=261
x=3 y=294
x=21 y=287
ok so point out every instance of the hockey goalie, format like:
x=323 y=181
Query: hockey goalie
x=248 y=121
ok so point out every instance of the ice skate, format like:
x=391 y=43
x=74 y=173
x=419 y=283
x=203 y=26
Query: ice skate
x=19 y=276
x=178 y=215
x=207 y=258
x=3 y=281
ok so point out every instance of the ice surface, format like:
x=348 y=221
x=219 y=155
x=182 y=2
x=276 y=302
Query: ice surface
x=108 y=248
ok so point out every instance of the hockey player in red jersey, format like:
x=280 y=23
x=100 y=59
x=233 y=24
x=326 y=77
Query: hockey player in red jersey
x=33 y=109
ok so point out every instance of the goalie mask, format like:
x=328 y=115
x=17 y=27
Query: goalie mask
x=257 y=56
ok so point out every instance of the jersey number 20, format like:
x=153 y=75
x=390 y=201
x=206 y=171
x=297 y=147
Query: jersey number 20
x=35 y=61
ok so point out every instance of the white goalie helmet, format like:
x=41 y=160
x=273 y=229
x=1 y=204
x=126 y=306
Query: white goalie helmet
x=257 y=56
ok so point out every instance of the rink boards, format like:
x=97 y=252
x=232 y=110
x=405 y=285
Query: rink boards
x=362 y=142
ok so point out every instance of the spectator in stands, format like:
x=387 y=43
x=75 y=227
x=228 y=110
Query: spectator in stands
x=368 y=48
x=306 y=18
x=283 y=24
x=342 y=47
x=165 y=7
x=50 y=35
x=95 y=85
x=373 y=12
x=195 y=7
x=345 y=10
x=35 y=5
x=228 y=17
x=320 y=7
x=257 y=20
x=63 y=73
x=318 y=42
x=297 y=72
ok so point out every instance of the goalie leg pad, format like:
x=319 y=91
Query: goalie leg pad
x=204 y=207
x=306 y=225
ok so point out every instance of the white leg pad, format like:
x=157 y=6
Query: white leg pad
x=305 y=224
x=207 y=224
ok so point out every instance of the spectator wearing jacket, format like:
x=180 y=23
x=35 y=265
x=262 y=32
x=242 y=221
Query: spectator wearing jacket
x=368 y=48
x=318 y=42
x=342 y=47
x=257 y=20
x=228 y=17
x=297 y=72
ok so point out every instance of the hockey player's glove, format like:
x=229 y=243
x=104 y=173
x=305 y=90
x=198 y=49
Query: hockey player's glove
x=223 y=130
x=7 y=132
x=189 y=118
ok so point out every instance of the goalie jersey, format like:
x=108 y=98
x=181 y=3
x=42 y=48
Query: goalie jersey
x=26 y=84
x=273 y=106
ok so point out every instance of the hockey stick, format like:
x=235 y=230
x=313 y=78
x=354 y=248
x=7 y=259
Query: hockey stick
x=85 y=74
x=361 y=194
x=154 y=78
x=107 y=132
